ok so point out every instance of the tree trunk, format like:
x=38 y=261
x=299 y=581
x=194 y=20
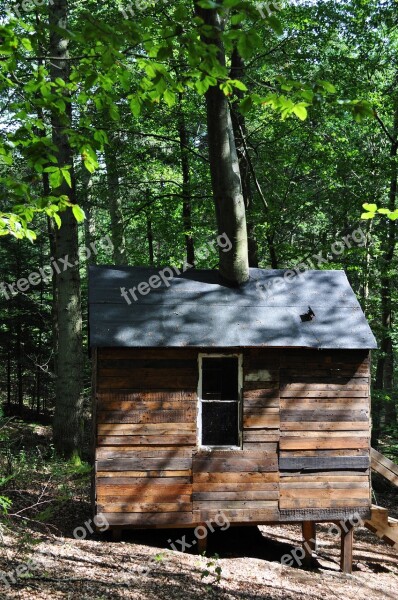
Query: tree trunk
x=115 y=204
x=224 y=168
x=240 y=133
x=384 y=381
x=186 y=186
x=69 y=359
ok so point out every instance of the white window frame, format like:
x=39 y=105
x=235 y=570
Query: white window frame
x=239 y=401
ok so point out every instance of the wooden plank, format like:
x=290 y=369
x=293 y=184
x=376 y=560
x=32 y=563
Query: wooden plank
x=384 y=466
x=234 y=487
x=170 y=485
x=264 y=389
x=325 y=415
x=325 y=426
x=329 y=477
x=146 y=440
x=241 y=477
x=261 y=421
x=221 y=465
x=287 y=443
x=325 y=485
x=140 y=464
x=326 y=495
x=135 y=477
x=323 y=453
x=158 y=429
x=261 y=375
x=288 y=502
x=317 y=463
x=155 y=379
x=322 y=392
x=142 y=452
x=260 y=402
x=361 y=384
x=225 y=496
x=144 y=507
x=237 y=515
x=150 y=405
x=132 y=364
x=148 y=416
x=235 y=504
x=150 y=497
x=148 y=519
x=161 y=396
x=260 y=435
x=309 y=541
x=324 y=404
x=314 y=434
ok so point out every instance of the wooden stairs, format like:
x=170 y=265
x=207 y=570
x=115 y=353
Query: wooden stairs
x=385 y=527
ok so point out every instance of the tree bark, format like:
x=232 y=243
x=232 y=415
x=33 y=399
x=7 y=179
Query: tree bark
x=240 y=133
x=115 y=203
x=186 y=186
x=67 y=423
x=384 y=381
x=224 y=168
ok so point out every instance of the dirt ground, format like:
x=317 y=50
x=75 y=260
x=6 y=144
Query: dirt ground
x=143 y=566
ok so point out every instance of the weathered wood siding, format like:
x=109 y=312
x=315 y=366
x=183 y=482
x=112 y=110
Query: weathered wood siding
x=305 y=419
x=325 y=433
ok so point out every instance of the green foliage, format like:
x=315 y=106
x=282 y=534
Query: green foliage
x=213 y=570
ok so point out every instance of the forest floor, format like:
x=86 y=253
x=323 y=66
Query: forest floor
x=40 y=558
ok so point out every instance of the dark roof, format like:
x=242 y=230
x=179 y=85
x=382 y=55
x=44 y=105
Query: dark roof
x=198 y=309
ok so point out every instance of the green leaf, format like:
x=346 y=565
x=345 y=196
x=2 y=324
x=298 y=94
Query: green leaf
x=169 y=98
x=246 y=105
x=67 y=177
x=329 y=87
x=371 y=207
x=367 y=215
x=78 y=213
x=300 y=111
x=27 y=44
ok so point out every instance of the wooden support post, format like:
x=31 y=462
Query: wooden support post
x=309 y=542
x=347 y=539
x=116 y=534
x=202 y=543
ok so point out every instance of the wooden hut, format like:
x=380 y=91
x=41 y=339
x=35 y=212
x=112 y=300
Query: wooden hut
x=252 y=402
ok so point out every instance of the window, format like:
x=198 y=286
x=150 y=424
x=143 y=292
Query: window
x=219 y=418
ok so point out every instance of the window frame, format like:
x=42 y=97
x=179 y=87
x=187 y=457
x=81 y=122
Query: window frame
x=239 y=401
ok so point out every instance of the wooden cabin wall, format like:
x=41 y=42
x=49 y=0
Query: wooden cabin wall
x=325 y=434
x=305 y=449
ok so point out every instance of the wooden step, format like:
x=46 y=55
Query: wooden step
x=385 y=527
x=384 y=466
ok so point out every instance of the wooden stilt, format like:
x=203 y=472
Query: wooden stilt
x=116 y=534
x=309 y=541
x=347 y=539
x=202 y=543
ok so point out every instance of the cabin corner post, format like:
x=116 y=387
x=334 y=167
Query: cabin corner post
x=309 y=542
x=94 y=361
x=346 y=546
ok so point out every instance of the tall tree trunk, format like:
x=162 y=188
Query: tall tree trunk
x=384 y=381
x=149 y=233
x=240 y=133
x=115 y=203
x=89 y=222
x=224 y=168
x=69 y=359
x=186 y=186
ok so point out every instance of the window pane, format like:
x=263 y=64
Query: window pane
x=220 y=424
x=220 y=378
